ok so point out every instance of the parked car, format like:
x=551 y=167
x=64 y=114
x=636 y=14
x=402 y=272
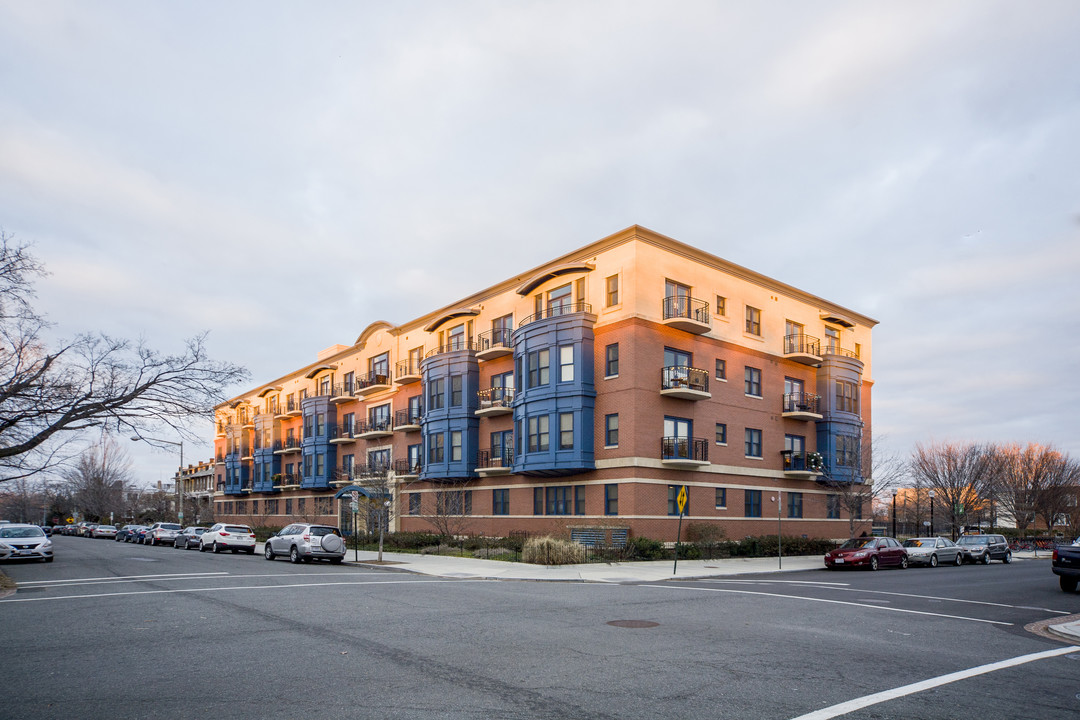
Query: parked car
x=227 y=536
x=984 y=548
x=304 y=542
x=932 y=551
x=1066 y=565
x=161 y=533
x=47 y=529
x=188 y=538
x=86 y=529
x=869 y=552
x=22 y=541
x=139 y=536
x=123 y=533
x=103 y=531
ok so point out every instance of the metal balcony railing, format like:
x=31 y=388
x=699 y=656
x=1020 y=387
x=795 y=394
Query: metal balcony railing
x=495 y=397
x=406 y=368
x=453 y=346
x=340 y=430
x=498 y=458
x=372 y=378
x=407 y=417
x=801 y=461
x=837 y=350
x=680 y=376
x=682 y=306
x=374 y=425
x=405 y=467
x=497 y=338
x=681 y=448
x=557 y=310
x=802 y=345
x=801 y=402
x=342 y=390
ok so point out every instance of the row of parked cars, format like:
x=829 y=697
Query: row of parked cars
x=300 y=542
x=876 y=552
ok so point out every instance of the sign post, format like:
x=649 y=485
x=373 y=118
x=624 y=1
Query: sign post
x=355 y=506
x=680 y=500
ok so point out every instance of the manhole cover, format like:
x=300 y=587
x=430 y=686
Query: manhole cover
x=633 y=623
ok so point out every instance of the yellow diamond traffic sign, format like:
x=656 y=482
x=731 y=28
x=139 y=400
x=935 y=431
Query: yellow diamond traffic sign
x=681 y=499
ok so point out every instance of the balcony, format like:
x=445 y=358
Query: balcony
x=293 y=409
x=291 y=480
x=375 y=470
x=497 y=462
x=686 y=453
x=406 y=372
x=246 y=454
x=371 y=383
x=805 y=349
x=407 y=421
x=407 y=470
x=247 y=422
x=494 y=344
x=341 y=433
x=557 y=310
x=219 y=429
x=495 y=401
x=801 y=464
x=802 y=406
x=685 y=383
x=341 y=392
x=687 y=313
x=455 y=344
x=372 y=429
x=341 y=477
x=288 y=445
x=837 y=350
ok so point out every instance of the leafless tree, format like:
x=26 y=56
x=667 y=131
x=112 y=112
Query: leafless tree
x=51 y=392
x=449 y=510
x=98 y=480
x=959 y=474
x=881 y=470
x=1022 y=476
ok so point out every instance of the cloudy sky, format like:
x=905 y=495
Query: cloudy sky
x=283 y=174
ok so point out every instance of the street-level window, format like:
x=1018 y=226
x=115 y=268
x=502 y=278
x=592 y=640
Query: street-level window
x=752 y=502
x=832 y=507
x=794 y=505
x=721 y=498
x=500 y=501
x=414 y=503
x=673 y=499
x=611 y=499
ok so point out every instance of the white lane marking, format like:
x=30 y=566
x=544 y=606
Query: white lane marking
x=866 y=701
x=118 y=577
x=920 y=597
x=219 y=589
x=193 y=576
x=831 y=602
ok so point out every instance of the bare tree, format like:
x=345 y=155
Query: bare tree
x=449 y=511
x=1055 y=503
x=50 y=393
x=1022 y=475
x=960 y=476
x=880 y=471
x=98 y=480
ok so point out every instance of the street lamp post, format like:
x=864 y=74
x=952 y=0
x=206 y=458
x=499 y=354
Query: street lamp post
x=931 y=494
x=179 y=495
x=895 y=492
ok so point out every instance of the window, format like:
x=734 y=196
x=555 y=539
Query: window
x=832 y=338
x=379 y=417
x=579 y=499
x=349 y=383
x=611 y=430
x=539 y=367
x=753 y=443
x=677 y=358
x=794 y=505
x=413 y=453
x=502 y=448
x=847 y=397
x=566 y=431
x=500 y=501
x=414 y=503
x=415 y=411
x=721 y=369
x=415 y=356
x=676 y=299
x=435 y=394
x=752 y=503
x=721 y=433
x=611 y=296
x=455 y=390
x=847 y=450
x=721 y=305
x=560 y=301
x=309 y=424
x=320 y=424
x=793 y=330
x=456 y=338
x=753 y=320
x=538 y=501
x=721 y=498
x=611 y=499
x=673 y=500
x=557 y=500
x=538 y=434
x=300 y=505
x=501 y=329
x=566 y=363
x=320 y=464
x=435 y=448
x=348 y=422
x=455 y=446
x=611 y=360
x=832 y=507
x=307 y=466
x=752 y=381
x=454 y=502
x=380 y=367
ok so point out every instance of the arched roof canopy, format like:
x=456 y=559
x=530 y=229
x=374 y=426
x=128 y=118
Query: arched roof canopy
x=541 y=278
x=452 y=315
x=371 y=329
x=269 y=389
x=837 y=319
x=318 y=369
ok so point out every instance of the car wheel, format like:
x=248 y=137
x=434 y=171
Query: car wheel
x=294 y=556
x=235 y=550
x=268 y=552
x=933 y=561
x=250 y=551
x=217 y=548
x=1068 y=584
x=202 y=548
x=986 y=559
x=904 y=563
x=959 y=560
x=335 y=561
x=1007 y=558
x=874 y=563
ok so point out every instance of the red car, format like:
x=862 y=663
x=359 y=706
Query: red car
x=871 y=552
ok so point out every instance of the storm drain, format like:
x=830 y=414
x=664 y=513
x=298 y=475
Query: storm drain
x=633 y=623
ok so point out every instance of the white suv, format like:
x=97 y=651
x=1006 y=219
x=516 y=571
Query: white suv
x=304 y=542
x=161 y=533
x=227 y=536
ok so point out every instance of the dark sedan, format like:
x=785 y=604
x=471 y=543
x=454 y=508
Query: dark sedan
x=188 y=538
x=868 y=552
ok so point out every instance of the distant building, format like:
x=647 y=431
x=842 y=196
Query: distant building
x=581 y=395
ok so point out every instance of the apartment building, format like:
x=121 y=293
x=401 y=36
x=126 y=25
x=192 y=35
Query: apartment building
x=580 y=396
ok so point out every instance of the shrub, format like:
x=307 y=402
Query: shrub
x=643 y=548
x=552 y=551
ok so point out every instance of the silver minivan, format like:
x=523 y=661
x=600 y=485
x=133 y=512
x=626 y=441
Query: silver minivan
x=304 y=542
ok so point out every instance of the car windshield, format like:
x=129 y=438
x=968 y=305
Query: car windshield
x=920 y=542
x=21 y=532
x=974 y=540
x=855 y=543
x=237 y=529
x=169 y=526
x=320 y=531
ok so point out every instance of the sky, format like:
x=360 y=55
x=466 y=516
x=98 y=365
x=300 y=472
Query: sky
x=282 y=174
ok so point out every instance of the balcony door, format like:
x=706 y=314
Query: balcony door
x=560 y=300
x=678 y=298
x=677 y=434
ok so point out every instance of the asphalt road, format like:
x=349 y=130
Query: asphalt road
x=113 y=630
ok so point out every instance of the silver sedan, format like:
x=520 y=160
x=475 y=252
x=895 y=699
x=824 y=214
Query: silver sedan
x=932 y=551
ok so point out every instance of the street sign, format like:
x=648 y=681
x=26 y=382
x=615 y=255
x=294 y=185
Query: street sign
x=681 y=499
x=355 y=497
x=354 y=506
x=70 y=521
